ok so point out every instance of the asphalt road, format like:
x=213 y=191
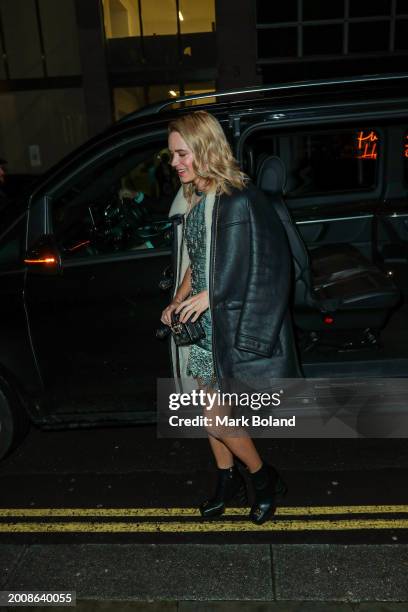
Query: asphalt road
x=127 y=485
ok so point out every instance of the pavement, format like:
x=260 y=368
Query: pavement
x=211 y=573
x=116 y=521
x=227 y=606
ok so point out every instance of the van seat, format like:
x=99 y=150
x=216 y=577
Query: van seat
x=359 y=296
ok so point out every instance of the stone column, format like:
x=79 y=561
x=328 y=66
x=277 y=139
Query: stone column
x=97 y=93
x=236 y=43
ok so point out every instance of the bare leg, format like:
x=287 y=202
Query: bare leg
x=225 y=447
x=266 y=482
x=244 y=449
x=223 y=456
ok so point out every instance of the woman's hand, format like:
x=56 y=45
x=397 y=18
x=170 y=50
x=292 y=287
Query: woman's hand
x=166 y=314
x=184 y=289
x=191 y=308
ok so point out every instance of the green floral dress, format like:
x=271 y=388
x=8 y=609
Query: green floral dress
x=200 y=362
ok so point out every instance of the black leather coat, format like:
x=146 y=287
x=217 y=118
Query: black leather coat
x=249 y=288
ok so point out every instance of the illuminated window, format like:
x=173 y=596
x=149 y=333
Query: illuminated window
x=191 y=89
x=196 y=16
x=405 y=154
x=129 y=99
x=320 y=163
x=159 y=17
x=121 y=18
x=157 y=93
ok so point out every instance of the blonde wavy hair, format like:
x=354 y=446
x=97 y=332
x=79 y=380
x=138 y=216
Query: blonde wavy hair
x=212 y=156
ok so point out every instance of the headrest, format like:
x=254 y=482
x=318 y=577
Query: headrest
x=272 y=175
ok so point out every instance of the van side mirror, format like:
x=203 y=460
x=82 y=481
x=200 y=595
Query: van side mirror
x=44 y=257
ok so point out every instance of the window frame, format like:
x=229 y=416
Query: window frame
x=42 y=208
x=318 y=194
x=329 y=123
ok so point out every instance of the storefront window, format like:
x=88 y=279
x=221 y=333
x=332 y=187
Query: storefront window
x=121 y=18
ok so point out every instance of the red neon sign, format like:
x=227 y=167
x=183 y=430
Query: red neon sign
x=367 y=145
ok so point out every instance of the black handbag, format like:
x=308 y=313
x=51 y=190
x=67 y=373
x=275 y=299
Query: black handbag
x=186 y=333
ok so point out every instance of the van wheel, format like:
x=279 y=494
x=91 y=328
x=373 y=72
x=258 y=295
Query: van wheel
x=14 y=424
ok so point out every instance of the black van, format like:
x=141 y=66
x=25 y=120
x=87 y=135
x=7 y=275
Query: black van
x=85 y=256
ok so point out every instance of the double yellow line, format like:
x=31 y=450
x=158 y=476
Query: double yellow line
x=167 y=520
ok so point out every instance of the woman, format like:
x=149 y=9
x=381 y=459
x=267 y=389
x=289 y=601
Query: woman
x=232 y=269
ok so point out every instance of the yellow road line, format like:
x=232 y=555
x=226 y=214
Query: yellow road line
x=178 y=512
x=212 y=526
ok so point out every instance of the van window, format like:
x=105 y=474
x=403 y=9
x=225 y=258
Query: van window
x=117 y=205
x=334 y=162
x=11 y=246
x=324 y=162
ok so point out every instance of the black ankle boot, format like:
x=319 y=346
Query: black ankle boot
x=230 y=485
x=269 y=488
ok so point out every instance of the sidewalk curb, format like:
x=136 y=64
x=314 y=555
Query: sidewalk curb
x=262 y=573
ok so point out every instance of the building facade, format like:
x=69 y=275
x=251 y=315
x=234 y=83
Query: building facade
x=70 y=67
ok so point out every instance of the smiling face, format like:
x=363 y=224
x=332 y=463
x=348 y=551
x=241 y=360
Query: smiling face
x=182 y=158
